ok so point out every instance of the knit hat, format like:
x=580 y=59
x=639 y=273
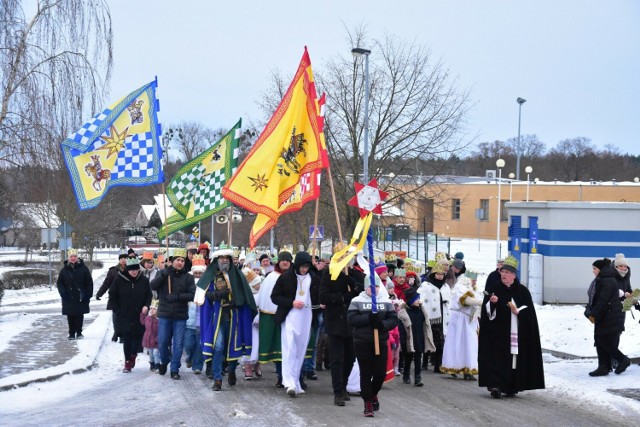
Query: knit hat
x=133 y=264
x=285 y=256
x=459 y=255
x=263 y=256
x=412 y=274
x=131 y=252
x=599 y=263
x=121 y=256
x=411 y=296
x=510 y=264
x=400 y=272
x=458 y=263
x=381 y=269
x=620 y=260
x=391 y=266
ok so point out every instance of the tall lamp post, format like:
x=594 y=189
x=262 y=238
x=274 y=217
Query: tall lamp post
x=511 y=177
x=520 y=101
x=500 y=165
x=528 y=170
x=358 y=52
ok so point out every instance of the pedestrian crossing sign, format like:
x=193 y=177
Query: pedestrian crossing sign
x=316 y=232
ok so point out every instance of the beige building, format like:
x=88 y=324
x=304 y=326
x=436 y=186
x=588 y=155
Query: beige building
x=467 y=206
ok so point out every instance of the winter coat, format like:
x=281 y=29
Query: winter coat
x=174 y=305
x=112 y=273
x=128 y=295
x=336 y=295
x=150 y=338
x=75 y=286
x=606 y=307
x=624 y=282
x=407 y=317
x=360 y=320
x=284 y=293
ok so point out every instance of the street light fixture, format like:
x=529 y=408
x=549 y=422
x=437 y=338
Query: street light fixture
x=358 y=52
x=520 y=101
x=500 y=165
x=528 y=170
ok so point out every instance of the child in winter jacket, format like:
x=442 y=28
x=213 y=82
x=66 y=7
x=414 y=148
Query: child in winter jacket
x=150 y=338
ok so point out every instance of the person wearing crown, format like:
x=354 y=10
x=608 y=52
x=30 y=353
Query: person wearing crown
x=510 y=355
x=147 y=269
x=226 y=316
x=131 y=296
x=175 y=288
x=75 y=286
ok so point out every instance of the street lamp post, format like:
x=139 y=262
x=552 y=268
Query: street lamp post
x=357 y=52
x=528 y=170
x=511 y=177
x=500 y=165
x=520 y=101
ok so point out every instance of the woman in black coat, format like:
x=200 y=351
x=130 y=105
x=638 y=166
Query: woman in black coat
x=75 y=286
x=607 y=315
x=131 y=295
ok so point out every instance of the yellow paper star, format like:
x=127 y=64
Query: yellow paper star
x=115 y=141
x=259 y=182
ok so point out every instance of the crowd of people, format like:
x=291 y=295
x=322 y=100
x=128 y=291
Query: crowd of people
x=219 y=311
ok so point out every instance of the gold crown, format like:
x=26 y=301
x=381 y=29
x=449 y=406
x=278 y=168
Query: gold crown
x=511 y=264
x=179 y=252
x=147 y=255
x=72 y=252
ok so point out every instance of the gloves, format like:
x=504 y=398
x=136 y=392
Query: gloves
x=222 y=294
x=375 y=321
x=211 y=296
x=97 y=297
x=165 y=273
x=171 y=297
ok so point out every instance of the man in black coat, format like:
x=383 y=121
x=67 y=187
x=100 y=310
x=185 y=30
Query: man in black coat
x=130 y=295
x=336 y=295
x=509 y=363
x=608 y=317
x=75 y=286
x=175 y=289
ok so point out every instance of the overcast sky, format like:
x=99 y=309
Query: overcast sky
x=576 y=62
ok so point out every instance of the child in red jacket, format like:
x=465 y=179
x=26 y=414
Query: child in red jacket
x=150 y=338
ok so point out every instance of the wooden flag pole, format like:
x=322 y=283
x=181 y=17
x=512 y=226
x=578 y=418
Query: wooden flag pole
x=315 y=230
x=166 y=230
x=335 y=204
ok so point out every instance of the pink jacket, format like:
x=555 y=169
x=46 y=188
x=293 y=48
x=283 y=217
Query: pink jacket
x=150 y=338
x=394 y=336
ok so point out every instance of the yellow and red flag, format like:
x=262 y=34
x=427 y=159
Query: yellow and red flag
x=282 y=171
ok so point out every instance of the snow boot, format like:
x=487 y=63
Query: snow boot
x=132 y=359
x=375 y=403
x=217 y=385
x=127 y=367
x=622 y=366
x=600 y=372
x=231 y=379
x=338 y=400
x=162 y=369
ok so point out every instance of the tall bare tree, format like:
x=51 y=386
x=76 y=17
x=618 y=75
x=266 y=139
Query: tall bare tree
x=416 y=112
x=572 y=157
x=55 y=64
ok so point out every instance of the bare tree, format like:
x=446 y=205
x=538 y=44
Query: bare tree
x=530 y=147
x=55 y=63
x=568 y=158
x=416 y=111
x=192 y=138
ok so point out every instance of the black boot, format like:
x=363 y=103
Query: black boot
x=208 y=372
x=303 y=385
x=622 y=366
x=600 y=372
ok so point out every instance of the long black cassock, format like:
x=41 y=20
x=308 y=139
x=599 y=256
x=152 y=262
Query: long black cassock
x=494 y=351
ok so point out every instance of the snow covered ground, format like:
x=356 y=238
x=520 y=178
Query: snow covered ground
x=563 y=329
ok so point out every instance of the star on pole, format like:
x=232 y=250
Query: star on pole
x=368 y=198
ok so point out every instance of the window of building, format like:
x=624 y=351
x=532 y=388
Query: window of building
x=455 y=209
x=484 y=210
x=504 y=213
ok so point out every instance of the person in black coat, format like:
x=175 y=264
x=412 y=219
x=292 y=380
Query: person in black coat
x=607 y=315
x=336 y=295
x=130 y=295
x=504 y=367
x=75 y=286
x=175 y=288
x=493 y=279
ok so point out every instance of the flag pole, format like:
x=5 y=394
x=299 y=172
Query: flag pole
x=166 y=229
x=315 y=229
x=335 y=204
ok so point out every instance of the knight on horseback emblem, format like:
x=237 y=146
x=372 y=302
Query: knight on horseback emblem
x=95 y=170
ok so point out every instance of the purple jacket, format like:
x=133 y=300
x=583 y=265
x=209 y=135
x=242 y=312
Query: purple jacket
x=150 y=338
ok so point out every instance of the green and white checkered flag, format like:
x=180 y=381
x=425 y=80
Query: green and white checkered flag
x=195 y=191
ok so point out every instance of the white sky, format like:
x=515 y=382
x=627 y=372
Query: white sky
x=576 y=62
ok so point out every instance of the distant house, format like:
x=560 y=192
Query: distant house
x=24 y=226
